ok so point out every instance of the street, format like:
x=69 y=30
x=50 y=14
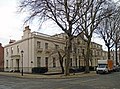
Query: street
x=102 y=81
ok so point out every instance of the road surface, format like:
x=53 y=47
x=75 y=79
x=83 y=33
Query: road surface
x=103 y=81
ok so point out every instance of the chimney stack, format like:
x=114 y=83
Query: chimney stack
x=26 y=32
x=11 y=41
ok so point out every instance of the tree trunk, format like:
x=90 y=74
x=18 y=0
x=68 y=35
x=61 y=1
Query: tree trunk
x=76 y=62
x=61 y=62
x=68 y=51
x=79 y=63
x=75 y=54
x=119 y=56
x=108 y=52
x=87 y=58
x=116 y=54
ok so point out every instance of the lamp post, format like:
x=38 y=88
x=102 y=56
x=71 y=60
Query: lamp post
x=22 y=62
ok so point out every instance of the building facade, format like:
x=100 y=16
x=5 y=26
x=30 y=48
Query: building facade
x=40 y=50
x=1 y=58
x=36 y=49
x=80 y=52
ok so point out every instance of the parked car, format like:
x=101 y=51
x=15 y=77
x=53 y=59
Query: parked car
x=116 y=68
x=74 y=70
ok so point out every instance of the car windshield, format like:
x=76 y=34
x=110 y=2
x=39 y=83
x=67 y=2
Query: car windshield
x=102 y=65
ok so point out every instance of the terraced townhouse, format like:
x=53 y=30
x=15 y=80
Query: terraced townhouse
x=40 y=50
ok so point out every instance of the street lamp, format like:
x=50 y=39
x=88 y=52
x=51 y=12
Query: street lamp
x=22 y=62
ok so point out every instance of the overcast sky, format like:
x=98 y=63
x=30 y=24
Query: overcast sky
x=11 y=23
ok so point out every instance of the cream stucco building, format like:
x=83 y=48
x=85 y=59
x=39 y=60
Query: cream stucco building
x=39 y=50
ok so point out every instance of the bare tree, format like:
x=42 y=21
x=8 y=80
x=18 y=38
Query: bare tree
x=90 y=21
x=115 y=26
x=74 y=49
x=61 y=55
x=63 y=12
x=116 y=40
x=107 y=28
x=106 y=34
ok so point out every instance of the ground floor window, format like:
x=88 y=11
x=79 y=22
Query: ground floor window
x=6 y=63
x=12 y=63
x=17 y=61
x=38 y=61
x=54 y=62
x=70 y=62
x=46 y=61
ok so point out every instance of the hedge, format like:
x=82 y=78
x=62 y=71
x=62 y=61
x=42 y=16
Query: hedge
x=39 y=70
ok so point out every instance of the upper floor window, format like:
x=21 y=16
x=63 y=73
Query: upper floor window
x=56 y=46
x=7 y=52
x=46 y=45
x=17 y=49
x=95 y=53
x=83 y=51
x=11 y=50
x=78 y=42
x=65 y=48
x=38 y=44
x=83 y=42
x=78 y=51
x=91 y=52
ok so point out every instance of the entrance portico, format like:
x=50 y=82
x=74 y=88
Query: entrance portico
x=15 y=63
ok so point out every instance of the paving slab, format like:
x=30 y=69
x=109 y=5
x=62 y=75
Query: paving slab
x=48 y=75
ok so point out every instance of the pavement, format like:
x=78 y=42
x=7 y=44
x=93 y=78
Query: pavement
x=49 y=75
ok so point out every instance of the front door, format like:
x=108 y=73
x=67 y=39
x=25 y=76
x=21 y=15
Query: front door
x=17 y=63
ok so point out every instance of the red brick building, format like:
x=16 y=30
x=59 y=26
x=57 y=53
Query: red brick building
x=1 y=58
